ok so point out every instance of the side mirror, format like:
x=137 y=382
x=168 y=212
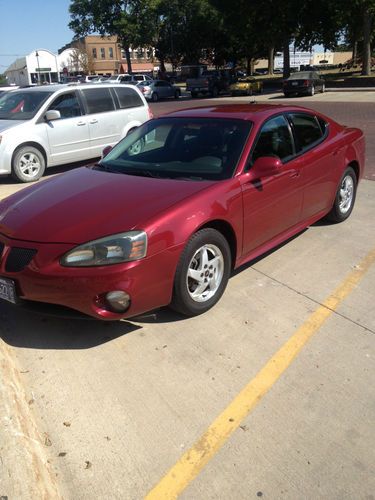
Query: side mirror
x=266 y=166
x=51 y=115
x=106 y=150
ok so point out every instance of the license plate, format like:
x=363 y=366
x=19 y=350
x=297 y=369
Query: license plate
x=8 y=290
x=295 y=83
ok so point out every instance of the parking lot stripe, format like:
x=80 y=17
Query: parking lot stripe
x=195 y=459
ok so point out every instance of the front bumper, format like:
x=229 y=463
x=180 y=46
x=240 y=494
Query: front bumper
x=149 y=281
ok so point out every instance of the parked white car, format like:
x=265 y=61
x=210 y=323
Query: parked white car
x=132 y=79
x=57 y=124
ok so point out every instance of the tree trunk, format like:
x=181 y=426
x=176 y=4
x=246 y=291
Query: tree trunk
x=252 y=66
x=286 y=59
x=128 y=60
x=248 y=66
x=367 y=25
x=271 y=61
x=355 y=52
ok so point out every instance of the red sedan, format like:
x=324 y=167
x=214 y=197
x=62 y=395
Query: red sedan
x=167 y=215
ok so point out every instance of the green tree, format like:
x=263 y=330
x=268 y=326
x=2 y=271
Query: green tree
x=132 y=21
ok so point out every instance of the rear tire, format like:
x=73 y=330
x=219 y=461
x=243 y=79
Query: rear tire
x=154 y=97
x=311 y=91
x=177 y=94
x=202 y=273
x=28 y=164
x=345 y=197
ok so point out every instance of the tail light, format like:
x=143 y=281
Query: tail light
x=150 y=114
x=306 y=83
x=205 y=82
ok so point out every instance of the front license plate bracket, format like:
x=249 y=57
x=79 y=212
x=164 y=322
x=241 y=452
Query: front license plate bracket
x=8 y=290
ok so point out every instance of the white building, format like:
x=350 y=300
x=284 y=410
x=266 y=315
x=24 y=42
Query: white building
x=39 y=66
x=296 y=58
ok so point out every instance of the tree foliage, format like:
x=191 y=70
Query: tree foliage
x=218 y=31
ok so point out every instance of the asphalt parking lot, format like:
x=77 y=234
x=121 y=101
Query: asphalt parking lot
x=270 y=394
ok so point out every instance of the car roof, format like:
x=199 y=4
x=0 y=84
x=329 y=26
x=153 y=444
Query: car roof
x=252 y=112
x=68 y=86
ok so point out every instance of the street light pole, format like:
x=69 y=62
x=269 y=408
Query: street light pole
x=37 y=58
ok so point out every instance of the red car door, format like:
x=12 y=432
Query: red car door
x=272 y=204
x=318 y=163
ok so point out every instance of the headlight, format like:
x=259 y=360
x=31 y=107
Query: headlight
x=122 y=247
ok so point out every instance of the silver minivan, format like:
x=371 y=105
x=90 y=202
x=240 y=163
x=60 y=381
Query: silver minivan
x=52 y=125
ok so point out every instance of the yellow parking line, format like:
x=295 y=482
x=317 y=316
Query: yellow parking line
x=193 y=461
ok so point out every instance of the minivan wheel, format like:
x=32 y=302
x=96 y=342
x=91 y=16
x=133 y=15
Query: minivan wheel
x=28 y=164
x=345 y=197
x=154 y=97
x=202 y=273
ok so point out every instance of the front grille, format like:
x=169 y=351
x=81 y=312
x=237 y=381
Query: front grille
x=18 y=259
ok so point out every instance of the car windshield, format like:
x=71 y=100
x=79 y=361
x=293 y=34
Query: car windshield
x=21 y=105
x=181 y=148
x=302 y=75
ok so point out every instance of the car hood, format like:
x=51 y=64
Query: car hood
x=85 y=204
x=5 y=124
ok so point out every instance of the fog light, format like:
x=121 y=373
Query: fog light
x=118 y=301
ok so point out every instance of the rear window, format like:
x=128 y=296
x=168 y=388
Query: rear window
x=128 y=98
x=99 y=100
x=307 y=130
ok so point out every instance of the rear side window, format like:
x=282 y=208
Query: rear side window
x=128 y=98
x=98 y=100
x=307 y=130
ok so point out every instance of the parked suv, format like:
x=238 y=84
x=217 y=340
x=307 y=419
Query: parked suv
x=56 y=124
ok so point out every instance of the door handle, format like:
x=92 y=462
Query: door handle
x=79 y=124
x=295 y=173
x=94 y=121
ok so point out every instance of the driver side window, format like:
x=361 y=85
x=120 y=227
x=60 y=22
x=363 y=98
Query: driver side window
x=68 y=105
x=274 y=140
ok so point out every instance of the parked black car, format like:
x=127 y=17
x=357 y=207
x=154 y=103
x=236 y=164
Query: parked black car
x=303 y=83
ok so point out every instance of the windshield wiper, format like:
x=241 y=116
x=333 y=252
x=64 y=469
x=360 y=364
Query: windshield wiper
x=107 y=168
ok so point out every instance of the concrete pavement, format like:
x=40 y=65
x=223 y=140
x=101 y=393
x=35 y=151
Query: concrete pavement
x=111 y=407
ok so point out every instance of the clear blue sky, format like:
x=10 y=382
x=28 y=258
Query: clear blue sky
x=26 y=25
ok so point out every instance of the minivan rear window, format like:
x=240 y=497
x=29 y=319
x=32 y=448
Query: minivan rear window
x=128 y=98
x=98 y=100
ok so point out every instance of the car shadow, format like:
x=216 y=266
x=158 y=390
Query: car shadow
x=270 y=252
x=34 y=330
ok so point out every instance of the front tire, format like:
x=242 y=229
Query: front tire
x=154 y=97
x=28 y=164
x=345 y=197
x=202 y=273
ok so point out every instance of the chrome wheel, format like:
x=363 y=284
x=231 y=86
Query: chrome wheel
x=205 y=273
x=346 y=194
x=29 y=165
